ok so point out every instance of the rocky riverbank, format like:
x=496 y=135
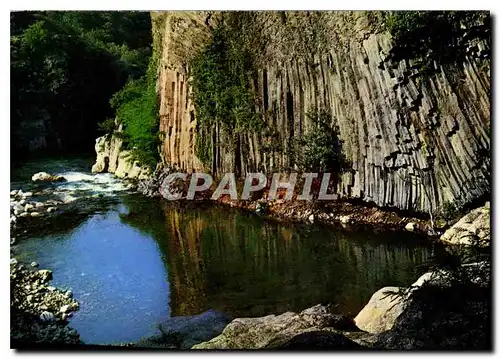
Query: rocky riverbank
x=39 y=311
x=446 y=309
x=348 y=214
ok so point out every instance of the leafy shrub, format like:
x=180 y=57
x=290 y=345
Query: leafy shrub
x=320 y=149
x=136 y=107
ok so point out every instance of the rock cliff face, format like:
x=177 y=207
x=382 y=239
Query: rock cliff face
x=112 y=159
x=414 y=140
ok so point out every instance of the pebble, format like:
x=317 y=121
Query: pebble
x=51 y=209
x=35 y=214
x=28 y=207
x=51 y=288
x=34 y=264
x=39 y=205
x=68 y=294
x=13 y=219
x=28 y=194
x=64 y=308
x=13 y=261
x=311 y=218
x=13 y=193
x=24 y=214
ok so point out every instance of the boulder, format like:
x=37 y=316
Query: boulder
x=274 y=331
x=473 y=228
x=46 y=177
x=381 y=312
x=185 y=331
x=410 y=227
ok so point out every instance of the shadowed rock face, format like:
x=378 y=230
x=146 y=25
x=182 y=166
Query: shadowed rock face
x=185 y=331
x=320 y=340
x=414 y=140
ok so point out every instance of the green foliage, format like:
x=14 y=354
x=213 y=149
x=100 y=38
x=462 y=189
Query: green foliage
x=108 y=126
x=450 y=211
x=136 y=107
x=65 y=66
x=320 y=149
x=433 y=35
x=222 y=94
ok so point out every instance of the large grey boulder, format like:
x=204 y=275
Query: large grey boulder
x=274 y=331
x=472 y=228
x=382 y=310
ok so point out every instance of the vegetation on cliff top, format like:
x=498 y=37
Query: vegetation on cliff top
x=433 y=35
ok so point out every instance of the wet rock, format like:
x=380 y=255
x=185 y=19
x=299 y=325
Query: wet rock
x=13 y=193
x=68 y=294
x=34 y=214
x=24 y=214
x=46 y=177
x=13 y=261
x=28 y=207
x=311 y=218
x=51 y=209
x=34 y=264
x=64 y=308
x=27 y=194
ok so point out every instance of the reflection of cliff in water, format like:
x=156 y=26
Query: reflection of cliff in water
x=242 y=265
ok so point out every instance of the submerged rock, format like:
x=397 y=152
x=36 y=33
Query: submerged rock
x=184 y=332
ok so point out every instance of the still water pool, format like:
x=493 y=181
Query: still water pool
x=132 y=262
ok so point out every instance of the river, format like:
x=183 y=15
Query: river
x=132 y=262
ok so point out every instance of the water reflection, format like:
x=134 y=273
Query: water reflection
x=242 y=265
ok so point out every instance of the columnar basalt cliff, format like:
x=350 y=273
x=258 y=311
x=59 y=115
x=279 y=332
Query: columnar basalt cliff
x=414 y=139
